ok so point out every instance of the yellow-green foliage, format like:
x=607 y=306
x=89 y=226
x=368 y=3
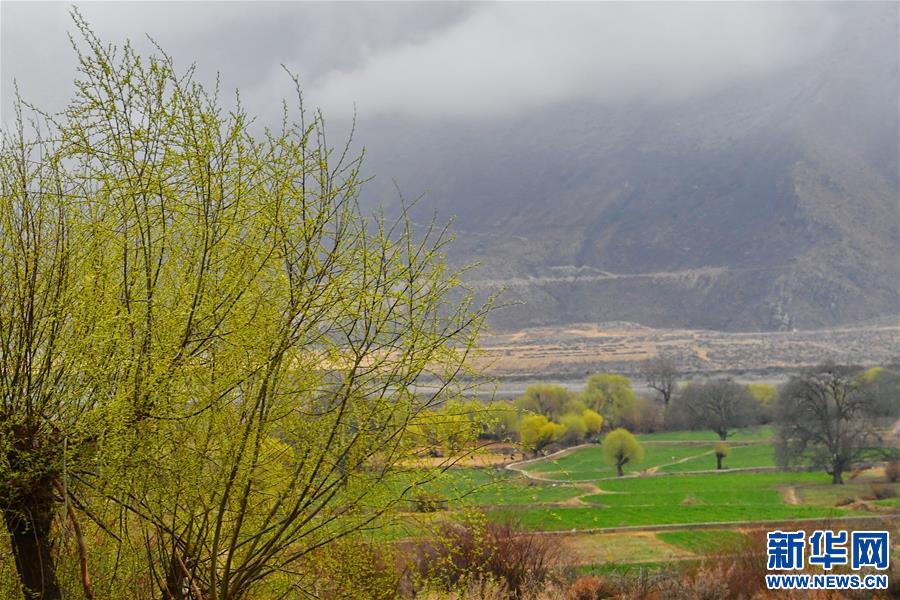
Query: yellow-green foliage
x=502 y=420
x=542 y=399
x=764 y=393
x=621 y=448
x=722 y=449
x=870 y=375
x=593 y=420
x=576 y=427
x=537 y=432
x=223 y=351
x=612 y=397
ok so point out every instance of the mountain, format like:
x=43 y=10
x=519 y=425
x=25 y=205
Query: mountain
x=769 y=204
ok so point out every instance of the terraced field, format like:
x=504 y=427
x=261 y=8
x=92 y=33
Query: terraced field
x=653 y=512
x=708 y=498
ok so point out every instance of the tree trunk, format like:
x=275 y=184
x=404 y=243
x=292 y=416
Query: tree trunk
x=719 y=461
x=837 y=477
x=29 y=522
x=619 y=469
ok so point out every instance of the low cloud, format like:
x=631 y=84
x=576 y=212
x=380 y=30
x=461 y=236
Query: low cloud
x=432 y=60
x=510 y=58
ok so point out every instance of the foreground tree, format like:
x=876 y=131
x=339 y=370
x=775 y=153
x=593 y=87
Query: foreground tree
x=661 y=374
x=621 y=448
x=205 y=348
x=828 y=418
x=720 y=405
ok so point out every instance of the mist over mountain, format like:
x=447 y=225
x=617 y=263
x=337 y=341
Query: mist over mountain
x=769 y=202
x=727 y=166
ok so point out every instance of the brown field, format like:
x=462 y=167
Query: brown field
x=579 y=349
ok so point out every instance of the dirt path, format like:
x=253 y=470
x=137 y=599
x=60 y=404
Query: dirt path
x=653 y=470
x=790 y=495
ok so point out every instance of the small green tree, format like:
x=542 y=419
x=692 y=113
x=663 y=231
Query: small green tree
x=621 y=448
x=722 y=450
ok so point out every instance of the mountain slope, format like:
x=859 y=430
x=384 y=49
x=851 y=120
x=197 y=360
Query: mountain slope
x=773 y=204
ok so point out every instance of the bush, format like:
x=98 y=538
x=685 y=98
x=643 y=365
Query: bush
x=591 y=587
x=462 y=553
x=881 y=492
x=353 y=569
x=892 y=471
x=706 y=584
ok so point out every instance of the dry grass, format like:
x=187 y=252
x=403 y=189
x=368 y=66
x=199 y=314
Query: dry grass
x=580 y=348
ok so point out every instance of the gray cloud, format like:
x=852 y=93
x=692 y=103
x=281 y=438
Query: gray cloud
x=431 y=60
x=509 y=58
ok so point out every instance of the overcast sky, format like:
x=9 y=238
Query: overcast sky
x=430 y=60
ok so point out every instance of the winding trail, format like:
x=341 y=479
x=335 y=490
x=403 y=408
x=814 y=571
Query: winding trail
x=519 y=467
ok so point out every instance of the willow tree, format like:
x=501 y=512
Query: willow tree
x=207 y=348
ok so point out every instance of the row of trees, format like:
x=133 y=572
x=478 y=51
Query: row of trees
x=827 y=416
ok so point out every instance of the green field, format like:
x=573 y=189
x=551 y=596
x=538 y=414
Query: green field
x=585 y=464
x=754 y=434
x=665 y=456
x=675 y=484
x=741 y=457
x=490 y=487
x=660 y=500
x=705 y=540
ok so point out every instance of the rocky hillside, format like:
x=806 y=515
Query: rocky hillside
x=769 y=205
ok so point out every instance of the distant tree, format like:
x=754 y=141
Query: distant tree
x=722 y=450
x=661 y=374
x=828 y=418
x=593 y=420
x=576 y=428
x=765 y=395
x=502 y=421
x=883 y=388
x=612 y=397
x=537 y=432
x=720 y=405
x=547 y=400
x=621 y=448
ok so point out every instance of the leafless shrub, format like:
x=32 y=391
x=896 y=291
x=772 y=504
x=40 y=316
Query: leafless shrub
x=462 y=553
